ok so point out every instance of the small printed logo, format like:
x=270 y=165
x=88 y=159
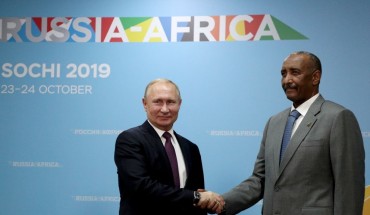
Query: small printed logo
x=96 y=198
x=96 y=132
x=236 y=133
x=35 y=164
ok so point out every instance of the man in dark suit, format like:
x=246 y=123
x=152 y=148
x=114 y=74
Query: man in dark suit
x=147 y=182
x=322 y=171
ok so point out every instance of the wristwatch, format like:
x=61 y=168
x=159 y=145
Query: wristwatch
x=196 y=198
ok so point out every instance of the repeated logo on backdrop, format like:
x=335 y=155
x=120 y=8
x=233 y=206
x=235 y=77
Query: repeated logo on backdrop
x=146 y=29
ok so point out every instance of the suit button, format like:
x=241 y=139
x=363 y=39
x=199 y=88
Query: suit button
x=277 y=212
x=277 y=189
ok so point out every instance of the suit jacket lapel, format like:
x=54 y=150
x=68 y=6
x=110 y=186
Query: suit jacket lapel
x=184 y=150
x=301 y=132
x=157 y=143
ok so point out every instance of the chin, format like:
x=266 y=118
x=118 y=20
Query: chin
x=291 y=98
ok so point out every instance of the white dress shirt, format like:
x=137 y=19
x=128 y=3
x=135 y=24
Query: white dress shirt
x=179 y=156
x=302 y=109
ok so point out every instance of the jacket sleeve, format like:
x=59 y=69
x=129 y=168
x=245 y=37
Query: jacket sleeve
x=348 y=164
x=249 y=191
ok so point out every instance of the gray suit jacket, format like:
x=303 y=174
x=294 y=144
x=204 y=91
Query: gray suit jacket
x=322 y=171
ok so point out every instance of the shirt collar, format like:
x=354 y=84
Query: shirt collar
x=160 y=132
x=303 y=108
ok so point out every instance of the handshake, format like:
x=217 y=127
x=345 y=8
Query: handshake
x=212 y=202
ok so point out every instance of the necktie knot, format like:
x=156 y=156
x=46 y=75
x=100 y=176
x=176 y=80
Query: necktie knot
x=167 y=135
x=294 y=114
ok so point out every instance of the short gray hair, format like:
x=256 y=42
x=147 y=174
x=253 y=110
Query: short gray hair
x=164 y=81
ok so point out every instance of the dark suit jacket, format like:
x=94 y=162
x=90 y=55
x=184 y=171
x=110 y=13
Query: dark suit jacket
x=145 y=178
x=322 y=171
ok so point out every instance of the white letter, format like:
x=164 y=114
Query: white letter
x=267 y=28
x=116 y=24
x=21 y=74
x=46 y=70
x=10 y=27
x=81 y=29
x=155 y=31
x=206 y=30
x=42 y=33
x=7 y=72
x=98 y=29
x=175 y=29
x=59 y=29
x=222 y=33
x=30 y=70
x=233 y=28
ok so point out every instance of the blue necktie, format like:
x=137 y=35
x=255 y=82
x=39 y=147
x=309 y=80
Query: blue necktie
x=293 y=116
x=172 y=156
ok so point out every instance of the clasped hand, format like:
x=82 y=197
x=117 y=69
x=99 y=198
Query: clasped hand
x=213 y=202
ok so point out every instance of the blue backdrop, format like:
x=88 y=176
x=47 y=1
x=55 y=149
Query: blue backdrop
x=64 y=99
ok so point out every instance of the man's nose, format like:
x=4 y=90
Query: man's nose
x=164 y=108
x=288 y=78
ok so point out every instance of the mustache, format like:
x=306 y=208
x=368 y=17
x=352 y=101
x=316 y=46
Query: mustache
x=289 y=86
